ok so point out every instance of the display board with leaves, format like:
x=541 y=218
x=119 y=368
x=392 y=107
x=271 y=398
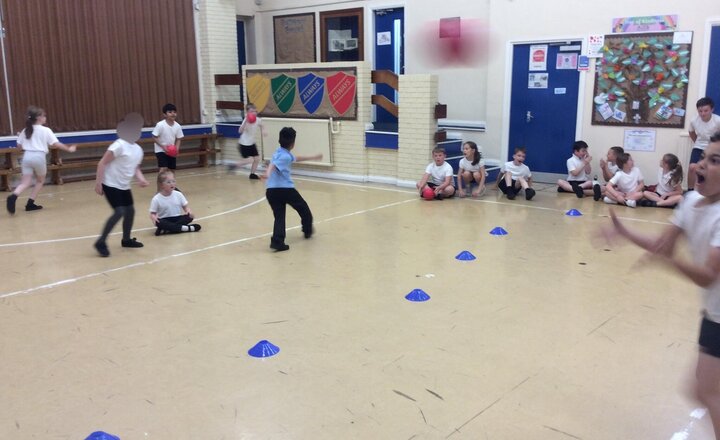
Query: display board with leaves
x=641 y=81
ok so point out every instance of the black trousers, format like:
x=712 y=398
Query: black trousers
x=173 y=224
x=279 y=198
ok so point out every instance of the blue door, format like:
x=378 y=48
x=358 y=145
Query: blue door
x=543 y=108
x=712 y=88
x=389 y=55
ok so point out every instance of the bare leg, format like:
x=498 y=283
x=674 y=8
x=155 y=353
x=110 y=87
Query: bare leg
x=39 y=183
x=25 y=183
x=691 y=175
x=707 y=389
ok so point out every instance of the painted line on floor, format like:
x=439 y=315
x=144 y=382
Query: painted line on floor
x=695 y=415
x=186 y=253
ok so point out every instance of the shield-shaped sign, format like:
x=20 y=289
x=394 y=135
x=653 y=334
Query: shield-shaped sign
x=283 y=91
x=258 y=90
x=341 y=91
x=311 y=89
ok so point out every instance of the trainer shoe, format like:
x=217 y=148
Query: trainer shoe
x=254 y=176
x=12 y=198
x=609 y=201
x=132 y=243
x=510 y=194
x=597 y=192
x=194 y=227
x=631 y=203
x=309 y=233
x=529 y=194
x=102 y=248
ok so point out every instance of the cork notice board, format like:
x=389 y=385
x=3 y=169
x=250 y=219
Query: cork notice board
x=294 y=38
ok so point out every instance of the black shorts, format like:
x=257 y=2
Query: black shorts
x=118 y=197
x=710 y=337
x=248 y=150
x=165 y=161
x=433 y=186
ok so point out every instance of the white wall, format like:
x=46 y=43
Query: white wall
x=478 y=92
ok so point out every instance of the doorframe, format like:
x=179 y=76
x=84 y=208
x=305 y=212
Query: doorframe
x=370 y=35
x=709 y=24
x=505 y=147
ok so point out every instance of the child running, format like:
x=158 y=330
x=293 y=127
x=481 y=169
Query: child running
x=698 y=218
x=115 y=171
x=34 y=140
x=471 y=169
x=247 y=144
x=169 y=209
x=668 y=191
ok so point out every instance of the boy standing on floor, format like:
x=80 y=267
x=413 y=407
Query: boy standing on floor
x=281 y=190
x=167 y=132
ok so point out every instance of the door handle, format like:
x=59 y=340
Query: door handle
x=528 y=116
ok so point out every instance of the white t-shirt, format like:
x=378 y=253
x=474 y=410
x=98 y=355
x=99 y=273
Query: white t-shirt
x=468 y=166
x=574 y=163
x=247 y=137
x=701 y=225
x=39 y=141
x=704 y=130
x=627 y=182
x=120 y=171
x=168 y=206
x=613 y=168
x=664 y=186
x=517 y=171
x=167 y=134
x=439 y=173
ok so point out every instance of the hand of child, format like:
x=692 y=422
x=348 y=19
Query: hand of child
x=476 y=192
x=588 y=158
x=461 y=192
x=99 y=188
x=72 y=148
x=143 y=183
x=318 y=157
x=603 y=163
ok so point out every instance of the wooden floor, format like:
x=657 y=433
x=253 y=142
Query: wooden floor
x=548 y=334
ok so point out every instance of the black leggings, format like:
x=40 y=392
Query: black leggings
x=173 y=224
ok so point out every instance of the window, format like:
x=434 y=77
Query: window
x=341 y=35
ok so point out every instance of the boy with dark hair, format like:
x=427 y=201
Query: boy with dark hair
x=705 y=125
x=167 y=132
x=515 y=175
x=579 y=170
x=281 y=190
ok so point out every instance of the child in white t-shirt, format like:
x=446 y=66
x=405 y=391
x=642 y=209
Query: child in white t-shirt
x=115 y=171
x=167 y=132
x=169 y=209
x=579 y=169
x=515 y=175
x=247 y=143
x=34 y=140
x=668 y=191
x=626 y=185
x=697 y=217
x=471 y=169
x=608 y=165
x=438 y=176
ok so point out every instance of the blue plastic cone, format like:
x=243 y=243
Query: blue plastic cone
x=417 y=295
x=264 y=349
x=100 y=435
x=574 y=213
x=499 y=231
x=465 y=256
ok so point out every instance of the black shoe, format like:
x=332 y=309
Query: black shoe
x=597 y=192
x=132 y=243
x=510 y=194
x=158 y=232
x=578 y=191
x=309 y=233
x=102 y=248
x=12 y=198
x=529 y=194
x=254 y=176
x=194 y=227
x=231 y=168
x=648 y=203
x=31 y=206
x=279 y=247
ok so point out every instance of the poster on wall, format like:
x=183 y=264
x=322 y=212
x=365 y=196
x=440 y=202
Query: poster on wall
x=294 y=38
x=304 y=93
x=538 y=57
x=641 y=80
x=651 y=23
x=566 y=61
x=538 y=80
x=639 y=140
x=595 y=45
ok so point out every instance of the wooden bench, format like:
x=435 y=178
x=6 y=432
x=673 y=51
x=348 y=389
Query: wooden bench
x=88 y=155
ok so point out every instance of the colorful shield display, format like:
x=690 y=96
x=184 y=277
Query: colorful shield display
x=258 y=90
x=311 y=89
x=341 y=91
x=283 y=92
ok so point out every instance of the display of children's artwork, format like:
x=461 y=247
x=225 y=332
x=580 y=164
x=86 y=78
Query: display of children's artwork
x=641 y=80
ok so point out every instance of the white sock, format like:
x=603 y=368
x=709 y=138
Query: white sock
x=186 y=228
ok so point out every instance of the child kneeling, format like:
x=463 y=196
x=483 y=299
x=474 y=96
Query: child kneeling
x=169 y=209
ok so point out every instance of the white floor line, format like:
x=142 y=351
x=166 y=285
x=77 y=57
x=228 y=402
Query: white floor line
x=85 y=237
x=182 y=254
x=684 y=434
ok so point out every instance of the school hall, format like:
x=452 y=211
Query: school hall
x=532 y=325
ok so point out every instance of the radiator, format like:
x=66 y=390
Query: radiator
x=313 y=137
x=685 y=145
